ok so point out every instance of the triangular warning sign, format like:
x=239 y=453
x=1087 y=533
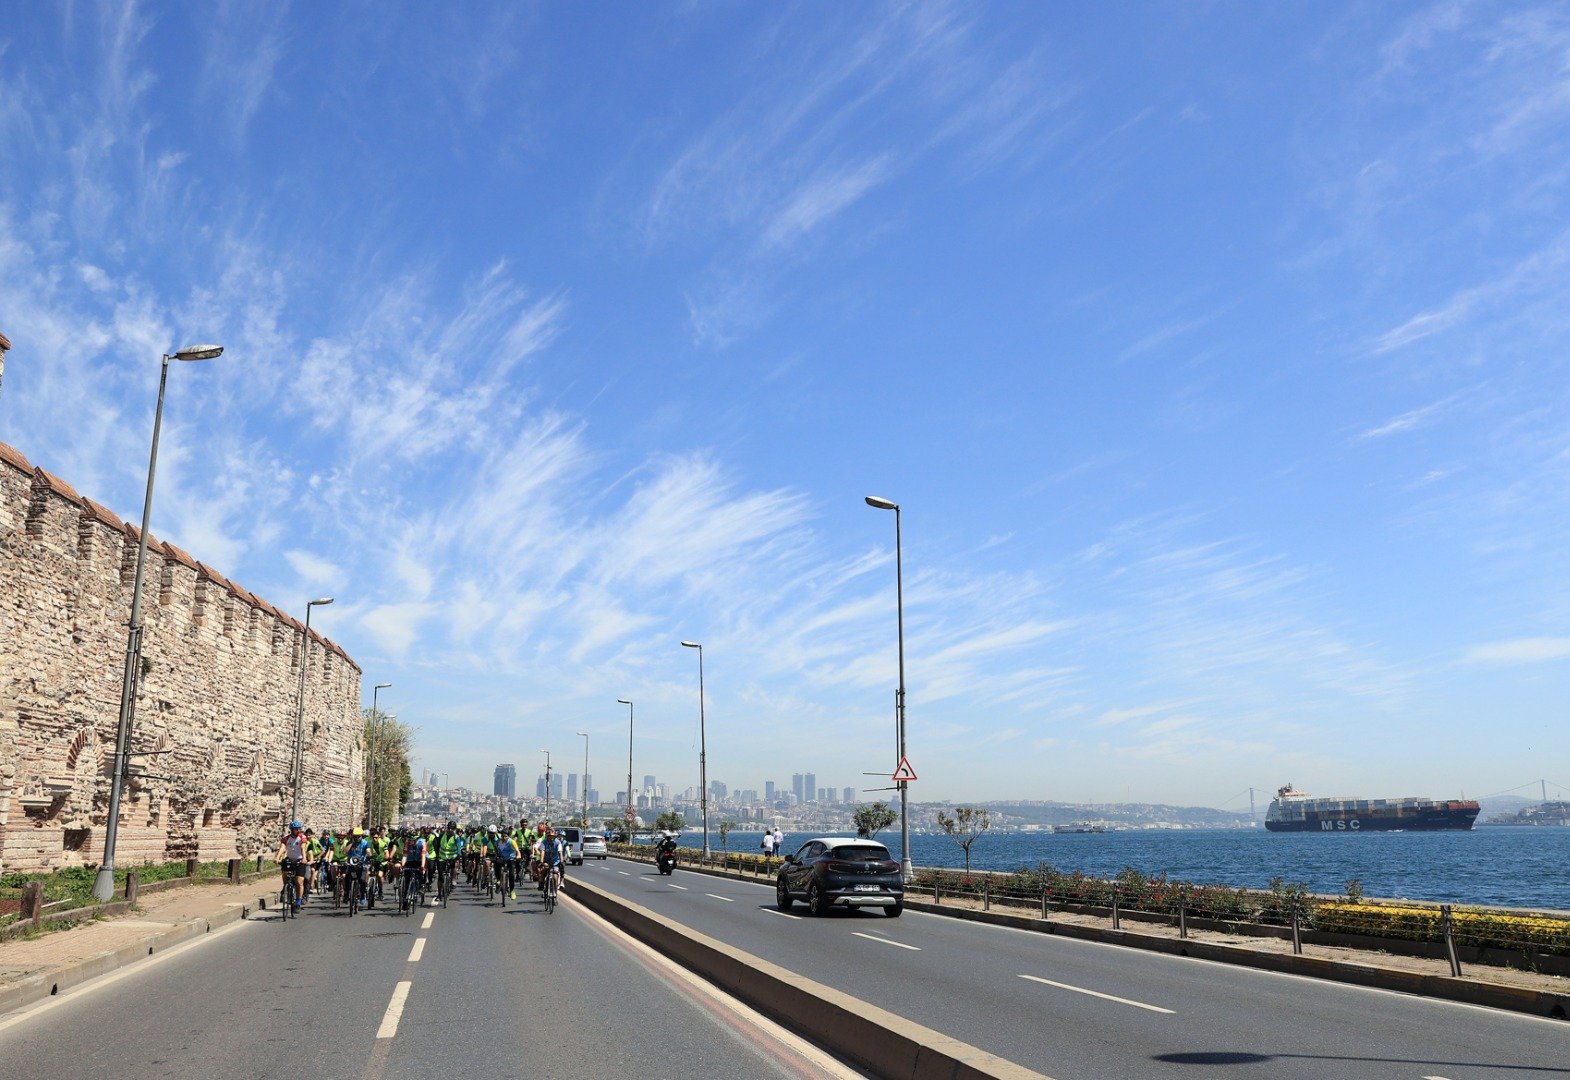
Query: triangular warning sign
x=904 y=772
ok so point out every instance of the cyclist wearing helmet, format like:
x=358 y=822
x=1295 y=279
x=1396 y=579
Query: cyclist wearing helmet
x=356 y=860
x=291 y=857
x=552 y=855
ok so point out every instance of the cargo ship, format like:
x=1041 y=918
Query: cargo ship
x=1298 y=811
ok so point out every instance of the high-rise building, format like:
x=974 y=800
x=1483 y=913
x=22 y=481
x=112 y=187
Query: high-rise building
x=768 y=792
x=849 y=796
x=556 y=785
x=506 y=781
x=717 y=789
x=796 y=782
x=810 y=785
x=539 y=787
x=648 y=783
x=572 y=786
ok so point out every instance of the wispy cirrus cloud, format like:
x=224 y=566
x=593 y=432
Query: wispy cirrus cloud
x=1531 y=650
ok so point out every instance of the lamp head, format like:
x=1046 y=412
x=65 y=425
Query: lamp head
x=199 y=352
x=585 y=734
x=882 y=504
x=383 y=685
x=322 y=602
x=623 y=701
x=692 y=645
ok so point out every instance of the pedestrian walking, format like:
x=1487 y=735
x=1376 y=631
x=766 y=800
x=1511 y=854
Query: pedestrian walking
x=768 y=847
x=779 y=842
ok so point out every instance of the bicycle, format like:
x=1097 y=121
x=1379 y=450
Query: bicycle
x=286 y=895
x=444 y=881
x=354 y=888
x=552 y=887
x=411 y=892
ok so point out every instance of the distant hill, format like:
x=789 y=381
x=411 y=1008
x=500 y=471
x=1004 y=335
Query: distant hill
x=1046 y=812
x=1505 y=805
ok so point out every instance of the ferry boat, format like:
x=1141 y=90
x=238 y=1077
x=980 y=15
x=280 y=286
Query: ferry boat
x=1298 y=811
x=1080 y=827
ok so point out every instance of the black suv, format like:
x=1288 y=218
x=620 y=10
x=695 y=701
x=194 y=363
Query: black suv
x=836 y=871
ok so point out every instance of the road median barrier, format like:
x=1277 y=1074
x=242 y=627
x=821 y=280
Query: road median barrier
x=887 y=1045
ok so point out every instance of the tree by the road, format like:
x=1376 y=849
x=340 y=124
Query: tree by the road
x=872 y=818
x=670 y=821
x=964 y=827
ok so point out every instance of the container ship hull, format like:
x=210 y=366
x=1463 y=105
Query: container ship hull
x=1294 y=811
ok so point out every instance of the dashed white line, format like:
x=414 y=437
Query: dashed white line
x=683 y=888
x=717 y=896
x=1099 y=994
x=394 y=1011
x=418 y=950
x=430 y=917
x=624 y=873
x=886 y=941
x=781 y=914
x=1436 y=1078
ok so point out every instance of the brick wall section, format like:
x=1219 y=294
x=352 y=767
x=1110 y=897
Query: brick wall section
x=218 y=694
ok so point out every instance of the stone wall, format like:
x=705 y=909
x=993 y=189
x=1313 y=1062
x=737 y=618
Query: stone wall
x=217 y=698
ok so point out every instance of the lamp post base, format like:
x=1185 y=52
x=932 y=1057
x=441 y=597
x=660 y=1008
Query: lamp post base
x=103 y=884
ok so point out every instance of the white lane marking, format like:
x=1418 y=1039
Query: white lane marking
x=717 y=896
x=394 y=1011
x=624 y=873
x=1099 y=994
x=416 y=952
x=430 y=917
x=781 y=914
x=683 y=888
x=76 y=993
x=886 y=941
x=1436 y=1078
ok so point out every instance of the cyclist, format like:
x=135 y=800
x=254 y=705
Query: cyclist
x=291 y=857
x=377 y=857
x=327 y=863
x=553 y=856
x=414 y=865
x=356 y=859
x=313 y=853
x=506 y=856
x=449 y=846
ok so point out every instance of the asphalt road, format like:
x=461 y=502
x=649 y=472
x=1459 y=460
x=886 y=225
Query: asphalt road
x=484 y=991
x=1083 y=1011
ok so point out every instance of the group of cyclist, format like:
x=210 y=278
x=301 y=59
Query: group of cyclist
x=419 y=862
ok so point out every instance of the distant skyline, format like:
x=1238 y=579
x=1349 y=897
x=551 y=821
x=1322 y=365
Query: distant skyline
x=1216 y=354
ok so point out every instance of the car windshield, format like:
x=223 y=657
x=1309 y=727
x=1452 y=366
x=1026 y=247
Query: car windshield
x=861 y=853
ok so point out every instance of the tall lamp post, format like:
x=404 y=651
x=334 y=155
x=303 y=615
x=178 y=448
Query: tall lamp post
x=585 y=735
x=703 y=756
x=299 y=712
x=632 y=806
x=103 y=883
x=906 y=869
x=547 y=754
x=376 y=723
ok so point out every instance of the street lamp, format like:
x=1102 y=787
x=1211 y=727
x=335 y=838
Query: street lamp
x=547 y=754
x=370 y=810
x=906 y=869
x=703 y=764
x=103 y=883
x=299 y=713
x=632 y=811
x=585 y=735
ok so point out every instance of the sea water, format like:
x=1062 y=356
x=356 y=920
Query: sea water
x=1506 y=867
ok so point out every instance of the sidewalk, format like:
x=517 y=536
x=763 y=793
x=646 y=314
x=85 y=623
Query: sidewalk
x=36 y=968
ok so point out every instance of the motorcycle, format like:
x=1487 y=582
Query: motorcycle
x=665 y=859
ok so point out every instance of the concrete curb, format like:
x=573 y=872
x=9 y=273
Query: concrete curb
x=55 y=981
x=889 y=1046
x=1470 y=991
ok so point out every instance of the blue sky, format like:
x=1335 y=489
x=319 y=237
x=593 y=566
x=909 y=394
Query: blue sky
x=1217 y=354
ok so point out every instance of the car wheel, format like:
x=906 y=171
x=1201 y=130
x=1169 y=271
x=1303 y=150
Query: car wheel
x=782 y=896
x=815 y=902
x=893 y=911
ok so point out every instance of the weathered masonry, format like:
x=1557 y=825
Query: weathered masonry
x=215 y=704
